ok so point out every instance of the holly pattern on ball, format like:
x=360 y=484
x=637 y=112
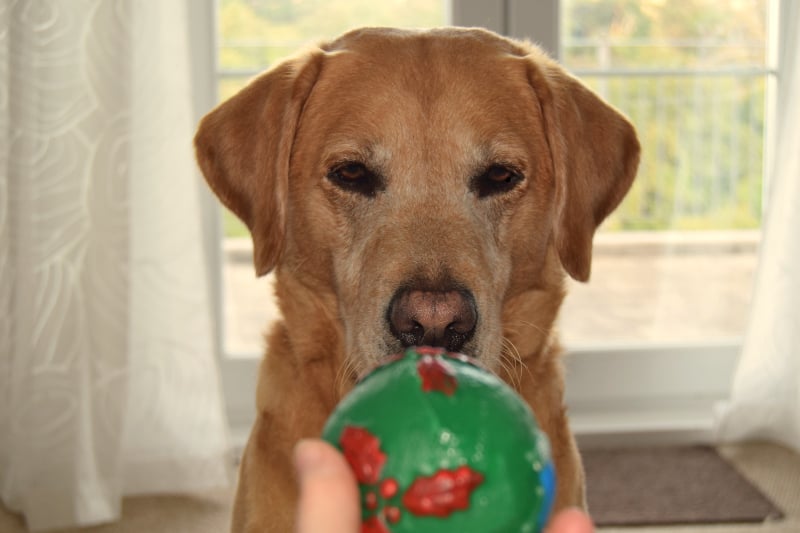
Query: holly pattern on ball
x=444 y=492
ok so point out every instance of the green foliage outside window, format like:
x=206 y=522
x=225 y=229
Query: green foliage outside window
x=697 y=101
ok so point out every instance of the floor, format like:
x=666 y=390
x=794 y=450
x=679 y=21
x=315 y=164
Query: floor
x=775 y=470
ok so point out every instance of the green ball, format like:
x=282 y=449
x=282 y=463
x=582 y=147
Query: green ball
x=438 y=444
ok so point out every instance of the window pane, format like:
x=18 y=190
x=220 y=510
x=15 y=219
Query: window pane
x=675 y=262
x=253 y=34
x=256 y=33
x=688 y=34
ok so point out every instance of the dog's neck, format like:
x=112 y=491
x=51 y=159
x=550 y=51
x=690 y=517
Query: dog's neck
x=307 y=353
x=529 y=317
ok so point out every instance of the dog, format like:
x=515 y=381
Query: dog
x=411 y=188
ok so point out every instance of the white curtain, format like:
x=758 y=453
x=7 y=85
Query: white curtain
x=765 y=402
x=108 y=383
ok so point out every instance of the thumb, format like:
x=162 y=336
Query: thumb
x=329 y=498
x=571 y=521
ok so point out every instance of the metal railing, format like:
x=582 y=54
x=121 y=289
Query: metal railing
x=702 y=135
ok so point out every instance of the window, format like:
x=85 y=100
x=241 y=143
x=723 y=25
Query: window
x=674 y=263
x=654 y=335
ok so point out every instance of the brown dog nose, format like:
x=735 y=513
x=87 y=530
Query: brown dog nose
x=433 y=318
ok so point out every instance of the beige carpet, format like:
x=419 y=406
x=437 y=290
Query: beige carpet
x=207 y=513
x=775 y=470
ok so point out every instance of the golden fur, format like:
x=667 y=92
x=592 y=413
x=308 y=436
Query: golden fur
x=427 y=111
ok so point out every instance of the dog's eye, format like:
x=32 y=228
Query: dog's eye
x=497 y=179
x=355 y=177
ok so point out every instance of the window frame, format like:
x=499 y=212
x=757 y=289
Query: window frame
x=237 y=375
x=619 y=393
x=627 y=392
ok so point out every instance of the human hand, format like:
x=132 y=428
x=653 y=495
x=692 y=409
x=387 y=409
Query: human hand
x=329 y=498
x=570 y=521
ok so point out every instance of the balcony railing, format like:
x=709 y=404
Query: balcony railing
x=702 y=135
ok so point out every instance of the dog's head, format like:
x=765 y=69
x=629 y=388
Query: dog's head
x=424 y=178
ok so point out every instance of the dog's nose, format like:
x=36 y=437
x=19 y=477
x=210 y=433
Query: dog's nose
x=434 y=318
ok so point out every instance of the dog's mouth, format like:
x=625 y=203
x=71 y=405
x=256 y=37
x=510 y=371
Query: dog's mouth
x=420 y=351
x=437 y=318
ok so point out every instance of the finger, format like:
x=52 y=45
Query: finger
x=571 y=521
x=329 y=498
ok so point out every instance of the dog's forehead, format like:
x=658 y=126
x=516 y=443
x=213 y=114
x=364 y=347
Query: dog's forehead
x=462 y=40
x=406 y=87
x=420 y=54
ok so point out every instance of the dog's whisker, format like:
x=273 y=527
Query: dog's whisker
x=347 y=372
x=510 y=360
x=525 y=324
x=340 y=375
x=512 y=354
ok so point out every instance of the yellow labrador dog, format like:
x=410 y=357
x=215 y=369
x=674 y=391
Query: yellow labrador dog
x=411 y=187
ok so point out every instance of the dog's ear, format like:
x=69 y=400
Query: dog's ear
x=243 y=148
x=595 y=155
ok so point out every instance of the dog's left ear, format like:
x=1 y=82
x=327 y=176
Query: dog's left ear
x=595 y=156
x=244 y=145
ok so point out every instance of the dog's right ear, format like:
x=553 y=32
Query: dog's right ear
x=244 y=145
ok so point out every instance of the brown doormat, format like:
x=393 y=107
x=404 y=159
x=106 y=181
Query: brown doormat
x=670 y=486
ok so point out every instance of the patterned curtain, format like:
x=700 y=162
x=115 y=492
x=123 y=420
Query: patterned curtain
x=108 y=383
